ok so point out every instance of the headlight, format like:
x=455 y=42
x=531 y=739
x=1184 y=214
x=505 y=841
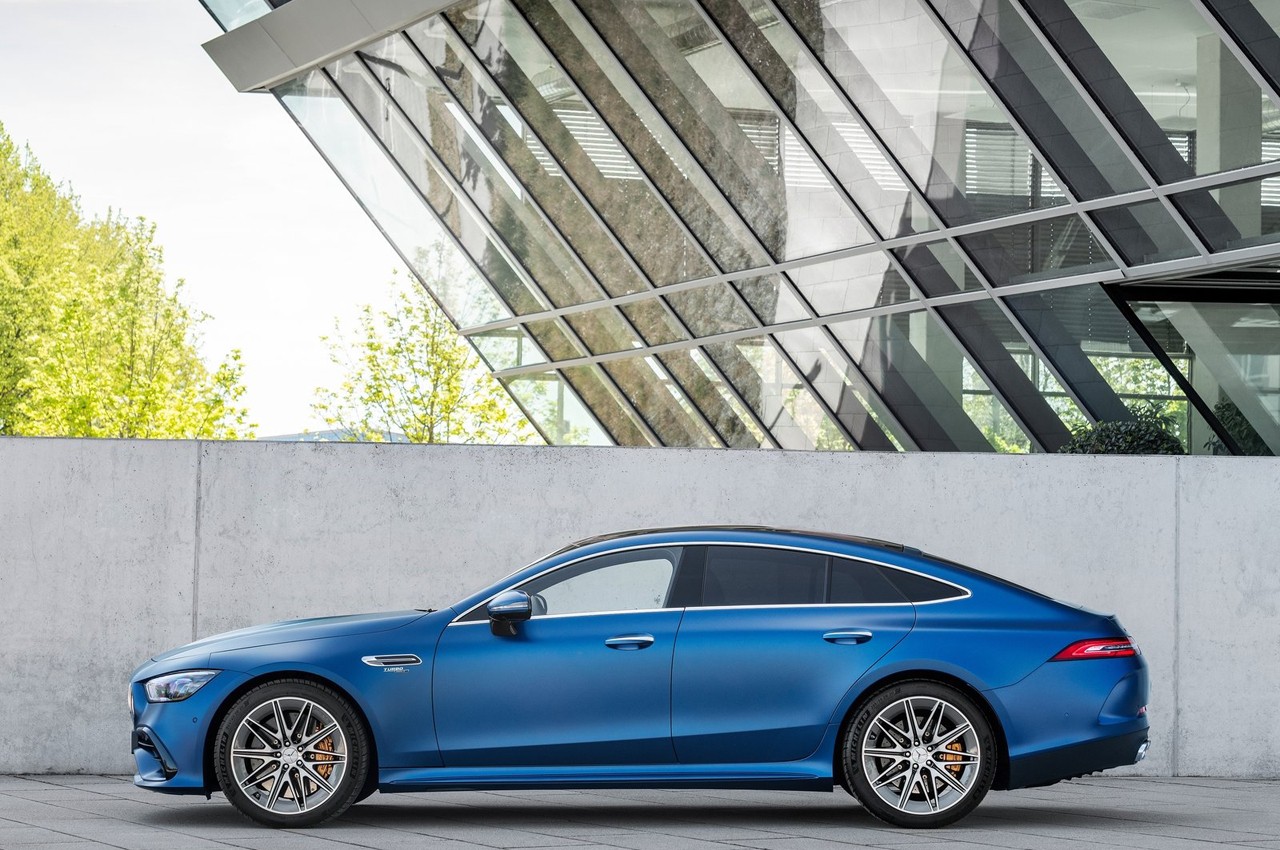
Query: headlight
x=176 y=687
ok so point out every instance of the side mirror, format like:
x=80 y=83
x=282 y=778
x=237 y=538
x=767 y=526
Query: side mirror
x=506 y=609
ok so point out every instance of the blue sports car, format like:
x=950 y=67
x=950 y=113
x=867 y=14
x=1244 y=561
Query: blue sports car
x=716 y=657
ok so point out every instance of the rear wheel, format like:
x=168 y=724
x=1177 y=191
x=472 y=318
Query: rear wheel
x=919 y=754
x=292 y=753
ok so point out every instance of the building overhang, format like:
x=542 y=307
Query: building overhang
x=305 y=34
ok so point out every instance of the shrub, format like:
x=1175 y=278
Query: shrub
x=1147 y=433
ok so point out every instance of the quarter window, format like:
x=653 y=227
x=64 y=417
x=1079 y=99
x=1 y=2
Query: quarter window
x=917 y=588
x=741 y=575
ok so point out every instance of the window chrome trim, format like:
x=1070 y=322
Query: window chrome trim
x=457 y=621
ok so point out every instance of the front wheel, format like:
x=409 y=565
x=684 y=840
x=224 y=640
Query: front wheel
x=919 y=754
x=292 y=753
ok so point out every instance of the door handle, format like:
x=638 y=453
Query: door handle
x=629 y=641
x=845 y=637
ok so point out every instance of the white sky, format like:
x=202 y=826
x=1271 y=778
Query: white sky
x=117 y=98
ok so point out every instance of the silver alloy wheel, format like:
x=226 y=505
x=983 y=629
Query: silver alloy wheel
x=288 y=755
x=921 y=755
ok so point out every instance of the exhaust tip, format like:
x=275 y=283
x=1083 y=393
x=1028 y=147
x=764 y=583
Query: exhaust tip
x=1142 y=751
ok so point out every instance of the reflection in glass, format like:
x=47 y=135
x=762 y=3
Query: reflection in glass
x=554 y=339
x=233 y=13
x=653 y=322
x=853 y=283
x=533 y=82
x=1097 y=352
x=841 y=387
x=727 y=415
x=664 y=406
x=1234 y=216
x=505 y=348
x=1230 y=353
x=1144 y=233
x=1188 y=107
x=731 y=128
x=771 y=299
x=603 y=331
x=1034 y=86
x=1023 y=381
x=556 y=410
x=800 y=89
x=614 y=413
x=383 y=192
x=928 y=383
x=1041 y=250
x=770 y=386
x=922 y=99
x=937 y=268
x=710 y=310
x=1255 y=25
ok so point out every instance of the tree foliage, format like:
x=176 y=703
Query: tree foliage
x=92 y=343
x=407 y=372
x=1147 y=433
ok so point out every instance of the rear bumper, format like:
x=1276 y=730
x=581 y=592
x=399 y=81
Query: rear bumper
x=1050 y=766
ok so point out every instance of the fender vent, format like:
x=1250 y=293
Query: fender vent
x=391 y=660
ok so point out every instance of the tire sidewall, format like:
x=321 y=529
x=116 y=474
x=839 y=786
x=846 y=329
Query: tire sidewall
x=352 y=725
x=857 y=782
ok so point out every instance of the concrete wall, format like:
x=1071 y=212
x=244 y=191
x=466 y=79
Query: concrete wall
x=111 y=551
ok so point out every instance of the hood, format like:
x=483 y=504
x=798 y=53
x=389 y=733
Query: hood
x=287 y=631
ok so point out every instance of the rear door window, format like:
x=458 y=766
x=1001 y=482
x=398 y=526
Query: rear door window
x=745 y=575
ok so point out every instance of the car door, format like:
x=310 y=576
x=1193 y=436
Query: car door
x=586 y=680
x=763 y=661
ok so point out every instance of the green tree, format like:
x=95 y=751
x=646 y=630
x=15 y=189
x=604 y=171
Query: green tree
x=92 y=343
x=406 y=371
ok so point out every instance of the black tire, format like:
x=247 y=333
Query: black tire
x=300 y=781
x=945 y=759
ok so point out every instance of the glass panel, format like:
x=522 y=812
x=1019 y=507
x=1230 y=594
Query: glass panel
x=860 y=583
x=711 y=310
x=1234 y=216
x=719 y=115
x=1099 y=354
x=854 y=283
x=1144 y=233
x=841 y=387
x=653 y=322
x=1042 y=250
x=663 y=404
x=801 y=91
x=1255 y=26
x=470 y=161
x=608 y=406
x=771 y=299
x=938 y=269
x=714 y=398
x=932 y=112
x=603 y=331
x=1032 y=83
x=1026 y=385
x=556 y=410
x=508 y=135
x=554 y=339
x=1230 y=353
x=506 y=348
x=233 y=13
x=396 y=208
x=741 y=575
x=770 y=386
x=928 y=384
x=579 y=142
x=631 y=581
x=1188 y=107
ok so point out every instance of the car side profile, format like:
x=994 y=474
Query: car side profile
x=708 y=657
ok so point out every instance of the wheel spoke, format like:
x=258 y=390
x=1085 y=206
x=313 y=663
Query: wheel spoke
x=259 y=774
x=945 y=776
x=959 y=758
x=308 y=743
x=933 y=723
x=268 y=738
x=895 y=734
x=298 y=796
x=254 y=754
x=301 y=723
x=329 y=758
x=930 y=791
x=907 y=785
x=276 y=788
x=890 y=773
x=278 y=711
x=314 y=776
x=952 y=735
x=913 y=731
x=883 y=754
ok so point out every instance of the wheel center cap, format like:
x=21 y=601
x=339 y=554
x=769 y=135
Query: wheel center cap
x=919 y=756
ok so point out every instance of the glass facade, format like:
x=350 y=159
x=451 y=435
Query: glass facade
x=952 y=225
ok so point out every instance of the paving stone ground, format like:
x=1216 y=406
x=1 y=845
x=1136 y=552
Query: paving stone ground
x=55 y=812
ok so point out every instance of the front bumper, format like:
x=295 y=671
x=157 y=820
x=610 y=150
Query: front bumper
x=168 y=738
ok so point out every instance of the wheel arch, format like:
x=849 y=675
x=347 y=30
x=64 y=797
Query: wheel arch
x=215 y=723
x=993 y=717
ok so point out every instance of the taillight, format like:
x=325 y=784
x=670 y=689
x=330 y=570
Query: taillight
x=1098 y=648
